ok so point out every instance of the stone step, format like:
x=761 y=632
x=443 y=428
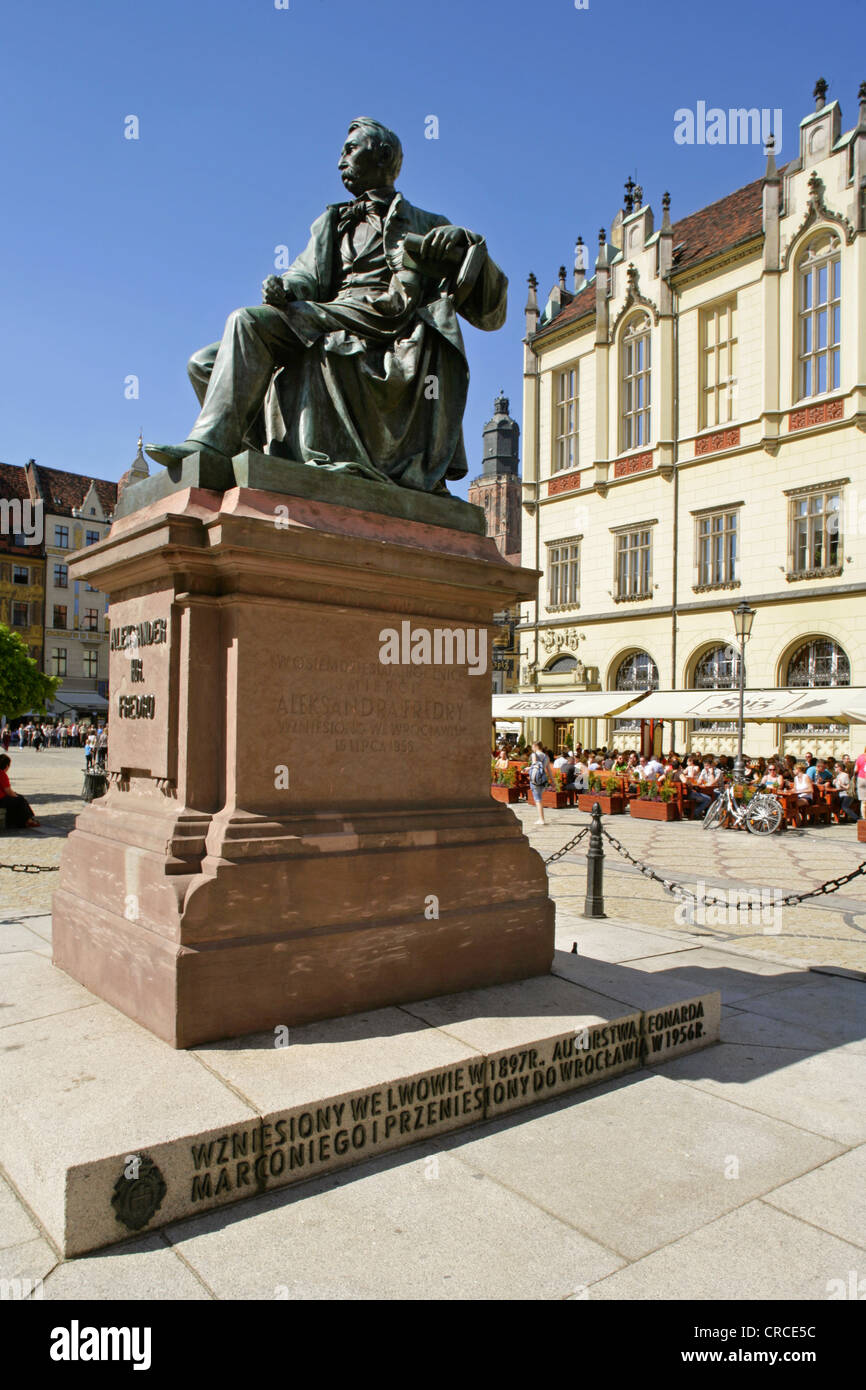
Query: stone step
x=109 y=1132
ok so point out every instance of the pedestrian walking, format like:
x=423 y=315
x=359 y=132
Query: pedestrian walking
x=539 y=778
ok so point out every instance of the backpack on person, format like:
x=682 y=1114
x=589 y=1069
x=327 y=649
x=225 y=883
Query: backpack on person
x=537 y=774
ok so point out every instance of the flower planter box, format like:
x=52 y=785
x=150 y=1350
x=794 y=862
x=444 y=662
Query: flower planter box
x=652 y=810
x=554 y=799
x=610 y=805
x=507 y=794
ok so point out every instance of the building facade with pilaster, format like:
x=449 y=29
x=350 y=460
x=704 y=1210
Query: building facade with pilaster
x=694 y=430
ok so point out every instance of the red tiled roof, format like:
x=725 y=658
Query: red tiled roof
x=63 y=491
x=721 y=225
x=13 y=481
x=715 y=228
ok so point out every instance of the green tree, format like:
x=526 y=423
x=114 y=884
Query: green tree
x=23 y=687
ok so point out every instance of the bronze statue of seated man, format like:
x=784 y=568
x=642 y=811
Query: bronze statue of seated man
x=355 y=359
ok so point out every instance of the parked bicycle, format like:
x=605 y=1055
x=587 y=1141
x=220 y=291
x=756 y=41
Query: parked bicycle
x=762 y=815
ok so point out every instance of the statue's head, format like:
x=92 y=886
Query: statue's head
x=371 y=156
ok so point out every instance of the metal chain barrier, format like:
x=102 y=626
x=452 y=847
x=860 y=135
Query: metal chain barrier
x=679 y=890
x=31 y=868
x=829 y=887
x=571 y=844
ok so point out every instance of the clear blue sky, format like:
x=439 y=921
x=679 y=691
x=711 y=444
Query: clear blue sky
x=121 y=257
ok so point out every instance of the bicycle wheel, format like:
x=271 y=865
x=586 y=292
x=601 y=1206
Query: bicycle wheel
x=713 y=819
x=764 y=815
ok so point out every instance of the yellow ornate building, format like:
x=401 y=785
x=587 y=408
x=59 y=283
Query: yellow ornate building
x=693 y=432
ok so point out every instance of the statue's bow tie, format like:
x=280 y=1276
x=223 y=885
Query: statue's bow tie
x=355 y=212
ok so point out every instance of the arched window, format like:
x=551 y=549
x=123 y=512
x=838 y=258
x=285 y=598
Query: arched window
x=819 y=290
x=819 y=662
x=636 y=672
x=717 y=669
x=635 y=424
x=560 y=665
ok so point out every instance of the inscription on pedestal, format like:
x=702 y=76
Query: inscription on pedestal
x=140 y=662
x=679 y=1029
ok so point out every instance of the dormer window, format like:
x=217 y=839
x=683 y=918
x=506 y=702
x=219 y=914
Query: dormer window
x=819 y=289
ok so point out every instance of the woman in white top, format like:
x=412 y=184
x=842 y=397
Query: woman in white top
x=803 y=785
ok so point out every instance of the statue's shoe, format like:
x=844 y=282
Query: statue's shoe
x=169 y=454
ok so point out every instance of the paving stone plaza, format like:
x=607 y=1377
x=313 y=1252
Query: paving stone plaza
x=753 y=1152
x=433 y=756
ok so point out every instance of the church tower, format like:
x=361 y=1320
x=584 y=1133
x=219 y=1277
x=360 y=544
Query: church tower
x=498 y=489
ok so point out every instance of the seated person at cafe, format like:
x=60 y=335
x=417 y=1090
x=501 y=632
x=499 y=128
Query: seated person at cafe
x=574 y=781
x=710 y=776
x=696 y=800
x=803 y=785
x=773 y=779
x=653 y=768
x=842 y=782
x=820 y=772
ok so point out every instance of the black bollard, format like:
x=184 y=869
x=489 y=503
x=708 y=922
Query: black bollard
x=594 y=903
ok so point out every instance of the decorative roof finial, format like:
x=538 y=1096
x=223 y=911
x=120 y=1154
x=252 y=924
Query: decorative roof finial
x=562 y=277
x=532 y=281
x=771 y=173
x=638 y=197
x=602 y=237
x=140 y=440
x=629 y=195
x=820 y=93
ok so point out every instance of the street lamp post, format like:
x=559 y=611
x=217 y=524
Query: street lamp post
x=744 y=616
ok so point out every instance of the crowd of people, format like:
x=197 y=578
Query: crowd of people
x=703 y=776
x=39 y=734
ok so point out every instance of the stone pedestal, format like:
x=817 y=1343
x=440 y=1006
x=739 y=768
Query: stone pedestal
x=296 y=827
